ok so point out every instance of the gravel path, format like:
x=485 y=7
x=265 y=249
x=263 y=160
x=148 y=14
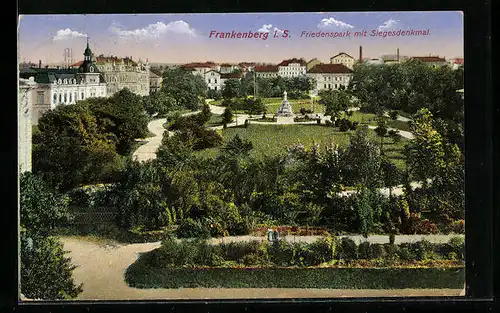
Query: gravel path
x=101 y=270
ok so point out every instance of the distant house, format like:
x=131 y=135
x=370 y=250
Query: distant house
x=228 y=68
x=246 y=66
x=433 y=61
x=343 y=58
x=292 y=68
x=330 y=76
x=456 y=63
x=312 y=63
x=201 y=68
x=225 y=76
x=154 y=82
x=266 y=71
x=213 y=80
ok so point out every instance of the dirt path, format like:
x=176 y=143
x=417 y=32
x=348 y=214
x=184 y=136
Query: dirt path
x=101 y=269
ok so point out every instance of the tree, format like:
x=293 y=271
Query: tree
x=381 y=131
x=187 y=89
x=335 y=102
x=158 y=104
x=425 y=153
x=227 y=116
x=255 y=106
x=46 y=273
x=361 y=160
x=391 y=174
x=231 y=89
x=71 y=148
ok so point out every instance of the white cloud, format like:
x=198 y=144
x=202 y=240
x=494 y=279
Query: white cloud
x=155 y=30
x=389 y=24
x=266 y=28
x=67 y=33
x=333 y=23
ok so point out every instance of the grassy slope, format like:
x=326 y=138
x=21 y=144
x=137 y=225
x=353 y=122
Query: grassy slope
x=141 y=275
x=274 y=139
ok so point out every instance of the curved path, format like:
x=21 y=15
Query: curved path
x=148 y=150
x=101 y=270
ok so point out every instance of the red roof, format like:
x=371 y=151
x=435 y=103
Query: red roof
x=330 y=68
x=294 y=60
x=247 y=64
x=429 y=59
x=266 y=68
x=231 y=75
x=458 y=61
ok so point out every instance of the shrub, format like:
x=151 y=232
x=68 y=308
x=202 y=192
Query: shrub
x=458 y=227
x=392 y=238
x=457 y=245
x=322 y=251
x=282 y=253
x=422 y=249
x=353 y=125
x=236 y=251
x=364 y=250
x=393 y=115
x=406 y=253
x=190 y=228
x=377 y=251
x=425 y=227
x=227 y=103
x=328 y=123
x=348 y=250
x=391 y=252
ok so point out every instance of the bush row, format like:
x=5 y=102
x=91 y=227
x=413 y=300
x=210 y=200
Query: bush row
x=175 y=253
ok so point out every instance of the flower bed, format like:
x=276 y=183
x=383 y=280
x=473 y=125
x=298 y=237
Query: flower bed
x=292 y=230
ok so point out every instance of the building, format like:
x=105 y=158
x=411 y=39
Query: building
x=292 y=68
x=24 y=124
x=266 y=71
x=213 y=80
x=226 y=68
x=433 y=61
x=154 y=82
x=312 y=63
x=200 y=68
x=225 y=76
x=246 y=66
x=343 y=58
x=330 y=76
x=456 y=63
x=374 y=61
x=64 y=86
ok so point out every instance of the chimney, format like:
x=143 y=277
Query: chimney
x=39 y=63
x=397 y=54
x=360 y=53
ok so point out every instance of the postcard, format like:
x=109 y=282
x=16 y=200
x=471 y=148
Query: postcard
x=241 y=155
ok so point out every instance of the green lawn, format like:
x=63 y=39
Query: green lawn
x=141 y=275
x=369 y=118
x=275 y=139
x=215 y=120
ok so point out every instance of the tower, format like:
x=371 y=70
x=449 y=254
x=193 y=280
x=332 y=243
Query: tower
x=360 y=53
x=88 y=70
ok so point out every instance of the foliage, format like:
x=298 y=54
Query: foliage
x=189 y=228
x=232 y=88
x=227 y=116
x=46 y=273
x=186 y=89
x=335 y=102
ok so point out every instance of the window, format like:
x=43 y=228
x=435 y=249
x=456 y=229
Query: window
x=70 y=97
x=216 y=80
x=82 y=96
x=209 y=80
x=65 y=97
x=325 y=86
x=54 y=100
x=39 y=97
x=215 y=88
x=76 y=97
x=59 y=97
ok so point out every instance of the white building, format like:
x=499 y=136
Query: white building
x=213 y=80
x=343 y=58
x=292 y=68
x=154 y=82
x=226 y=68
x=24 y=124
x=330 y=76
x=200 y=68
x=266 y=71
x=65 y=86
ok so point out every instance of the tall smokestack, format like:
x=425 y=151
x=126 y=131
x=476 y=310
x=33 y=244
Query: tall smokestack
x=397 y=53
x=39 y=63
x=360 y=53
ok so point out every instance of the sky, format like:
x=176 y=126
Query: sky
x=183 y=38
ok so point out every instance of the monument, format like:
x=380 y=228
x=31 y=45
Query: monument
x=285 y=109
